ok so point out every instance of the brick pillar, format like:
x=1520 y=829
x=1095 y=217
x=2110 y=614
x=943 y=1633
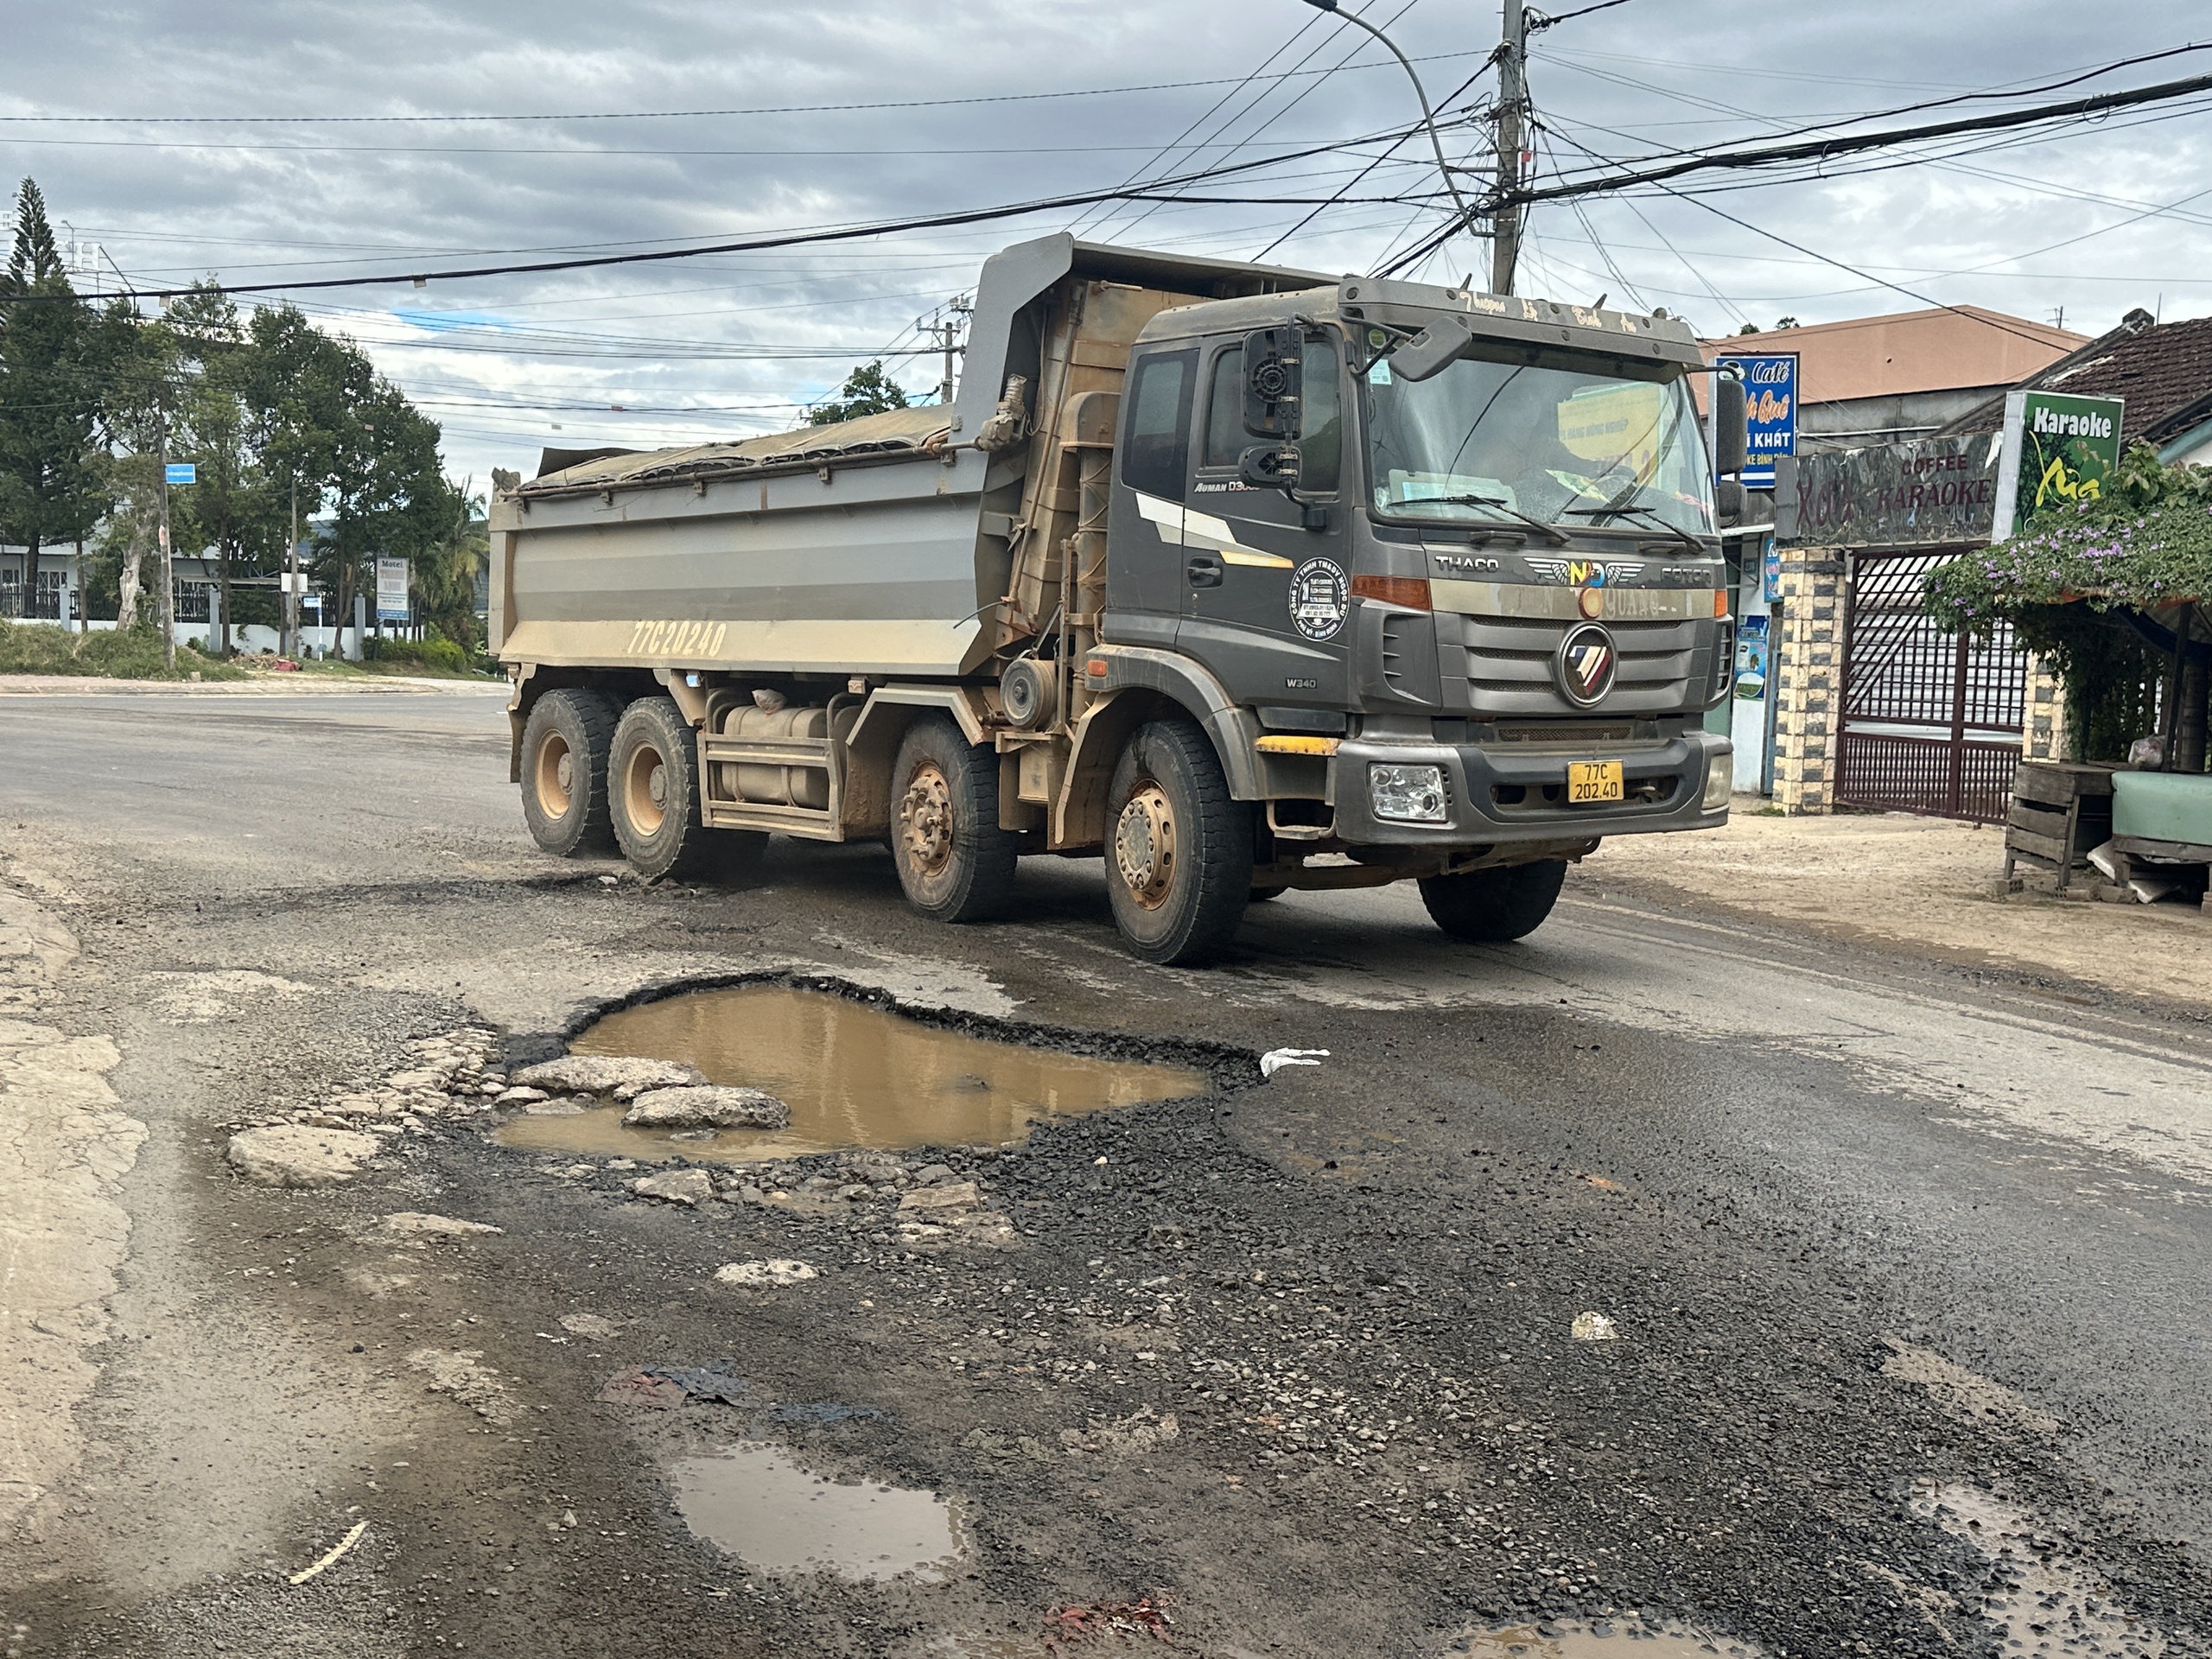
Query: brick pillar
x=1808 y=679
x=2043 y=729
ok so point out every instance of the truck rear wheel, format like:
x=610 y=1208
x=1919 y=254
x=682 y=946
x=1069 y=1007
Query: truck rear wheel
x=1179 y=849
x=955 y=863
x=652 y=783
x=1490 y=907
x=564 y=746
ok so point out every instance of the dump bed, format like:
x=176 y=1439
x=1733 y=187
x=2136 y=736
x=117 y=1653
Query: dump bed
x=874 y=547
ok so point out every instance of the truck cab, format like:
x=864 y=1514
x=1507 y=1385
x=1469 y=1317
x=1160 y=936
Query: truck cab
x=1465 y=557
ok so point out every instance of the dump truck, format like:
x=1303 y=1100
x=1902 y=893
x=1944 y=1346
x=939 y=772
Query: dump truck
x=1242 y=578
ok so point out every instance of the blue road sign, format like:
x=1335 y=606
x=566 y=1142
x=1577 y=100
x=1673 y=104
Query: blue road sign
x=182 y=472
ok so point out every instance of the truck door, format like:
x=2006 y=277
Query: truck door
x=1265 y=600
x=1144 y=529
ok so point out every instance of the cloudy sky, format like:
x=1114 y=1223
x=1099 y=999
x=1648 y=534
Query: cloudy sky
x=272 y=143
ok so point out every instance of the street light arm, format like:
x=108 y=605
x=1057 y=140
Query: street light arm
x=1427 y=116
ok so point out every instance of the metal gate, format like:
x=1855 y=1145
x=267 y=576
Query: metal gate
x=1931 y=721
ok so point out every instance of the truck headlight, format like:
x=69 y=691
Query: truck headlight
x=1720 y=781
x=1408 y=794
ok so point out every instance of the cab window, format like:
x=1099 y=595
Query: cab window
x=1159 y=414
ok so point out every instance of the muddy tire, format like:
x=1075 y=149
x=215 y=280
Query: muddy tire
x=1490 y=907
x=564 y=749
x=652 y=787
x=1179 y=849
x=955 y=863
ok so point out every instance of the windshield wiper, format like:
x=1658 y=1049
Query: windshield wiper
x=1550 y=530
x=1619 y=510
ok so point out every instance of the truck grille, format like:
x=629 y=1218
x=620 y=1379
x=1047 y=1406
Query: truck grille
x=1505 y=663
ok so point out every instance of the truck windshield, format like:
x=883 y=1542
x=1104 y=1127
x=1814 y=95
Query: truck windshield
x=1485 y=439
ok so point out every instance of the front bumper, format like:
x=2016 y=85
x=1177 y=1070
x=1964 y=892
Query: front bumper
x=1501 y=793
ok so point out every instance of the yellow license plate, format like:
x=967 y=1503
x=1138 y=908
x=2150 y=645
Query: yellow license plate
x=1590 y=782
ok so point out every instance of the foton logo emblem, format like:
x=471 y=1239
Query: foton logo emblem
x=1587 y=662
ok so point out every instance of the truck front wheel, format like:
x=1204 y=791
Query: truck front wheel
x=652 y=780
x=1490 y=907
x=564 y=746
x=955 y=863
x=1179 y=849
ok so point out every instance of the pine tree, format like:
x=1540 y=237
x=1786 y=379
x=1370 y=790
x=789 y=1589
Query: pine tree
x=34 y=259
x=49 y=396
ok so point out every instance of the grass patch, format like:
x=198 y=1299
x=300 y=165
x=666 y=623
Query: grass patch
x=336 y=668
x=29 y=648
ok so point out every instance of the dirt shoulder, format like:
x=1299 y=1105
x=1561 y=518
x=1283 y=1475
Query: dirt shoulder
x=257 y=684
x=1929 y=886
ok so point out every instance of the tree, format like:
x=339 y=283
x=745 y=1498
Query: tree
x=446 y=578
x=867 y=391
x=50 y=392
x=232 y=498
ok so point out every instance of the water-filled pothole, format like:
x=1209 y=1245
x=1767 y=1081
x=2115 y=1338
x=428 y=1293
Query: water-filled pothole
x=853 y=1075
x=754 y=1503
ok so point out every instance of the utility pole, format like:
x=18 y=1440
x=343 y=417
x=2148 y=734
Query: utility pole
x=292 y=581
x=167 y=607
x=1512 y=120
x=948 y=333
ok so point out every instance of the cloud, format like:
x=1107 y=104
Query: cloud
x=685 y=347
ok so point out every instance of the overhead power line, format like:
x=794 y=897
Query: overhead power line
x=1854 y=143
x=1152 y=189
x=658 y=115
x=1537 y=20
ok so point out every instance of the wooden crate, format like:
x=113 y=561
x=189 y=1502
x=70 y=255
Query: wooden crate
x=2060 y=811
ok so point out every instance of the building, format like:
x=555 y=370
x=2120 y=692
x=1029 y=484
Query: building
x=1905 y=375
x=59 y=598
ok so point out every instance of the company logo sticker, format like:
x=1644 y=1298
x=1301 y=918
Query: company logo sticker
x=1586 y=664
x=1584 y=573
x=1320 y=598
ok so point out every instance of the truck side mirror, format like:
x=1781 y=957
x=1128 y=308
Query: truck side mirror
x=1433 y=350
x=1731 y=426
x=1273 y=382
x=1728 y=501
x=1269 y=466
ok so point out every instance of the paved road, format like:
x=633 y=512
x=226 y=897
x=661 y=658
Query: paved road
x=1861 y=1222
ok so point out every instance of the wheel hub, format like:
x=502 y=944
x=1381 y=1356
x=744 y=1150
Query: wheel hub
x=926 y=820
x=557 y=776
x=1144 y=846
x=645 y=790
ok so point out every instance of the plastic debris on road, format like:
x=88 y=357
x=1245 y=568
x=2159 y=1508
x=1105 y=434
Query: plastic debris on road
x=1594 y=1327
x=336 y=1550
x=663 y=1386
x=1275 y=1058
x=1146 y=1615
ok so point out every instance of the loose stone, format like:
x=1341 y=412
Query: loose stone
x=707 y=1106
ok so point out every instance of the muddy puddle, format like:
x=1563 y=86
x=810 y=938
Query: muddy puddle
x=754 y=1503
x=853 y=1076
x=1599 y=1639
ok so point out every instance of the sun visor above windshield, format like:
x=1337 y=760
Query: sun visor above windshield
x=1448 y=322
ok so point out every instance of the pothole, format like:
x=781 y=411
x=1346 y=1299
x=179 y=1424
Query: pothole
x=752 y=1502
x=2040 y=1597
x=1598 y=1639
x=853 y=1075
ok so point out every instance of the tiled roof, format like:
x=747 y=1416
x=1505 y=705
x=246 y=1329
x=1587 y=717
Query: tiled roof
x=2162 y=372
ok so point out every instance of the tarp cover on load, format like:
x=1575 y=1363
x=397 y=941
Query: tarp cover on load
x=913 y=429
